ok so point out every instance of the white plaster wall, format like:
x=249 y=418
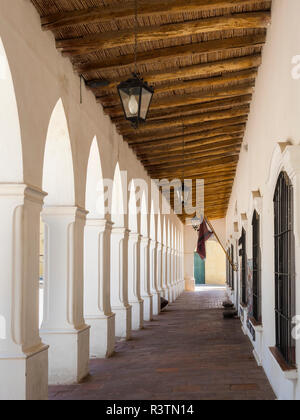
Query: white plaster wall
x=274 y=118
x=215 y=264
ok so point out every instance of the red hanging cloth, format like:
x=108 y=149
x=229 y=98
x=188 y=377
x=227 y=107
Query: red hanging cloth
x=204 y=235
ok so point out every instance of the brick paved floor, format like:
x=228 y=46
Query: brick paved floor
x=187 y=353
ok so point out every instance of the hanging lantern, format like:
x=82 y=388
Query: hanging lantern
x=136 y=96
x=196 y=222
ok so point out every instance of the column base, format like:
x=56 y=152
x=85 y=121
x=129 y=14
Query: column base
x=102 y=336
x=156 y=303
x=173 y=292
x=148 y=308
x=169 y=295
x=25 y=377
x=123 y=322
x=68 y=355
x=137 y=315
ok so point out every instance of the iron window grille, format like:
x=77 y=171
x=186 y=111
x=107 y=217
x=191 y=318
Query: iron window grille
x=285 y=303
x=256 y=268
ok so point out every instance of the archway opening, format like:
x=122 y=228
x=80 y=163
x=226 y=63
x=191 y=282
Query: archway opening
x=58 y=183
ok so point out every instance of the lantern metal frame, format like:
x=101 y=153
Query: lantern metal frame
x=136 y=82
x=196 y=222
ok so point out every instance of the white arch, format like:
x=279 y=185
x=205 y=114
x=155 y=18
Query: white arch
x=11 y=159
x=58 y=172
x=94 y=184
x=117 y=208
x=132 y=208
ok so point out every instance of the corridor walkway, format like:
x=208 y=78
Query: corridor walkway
x=187 y=353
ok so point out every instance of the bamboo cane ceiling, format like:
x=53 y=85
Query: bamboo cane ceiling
x=201 y=56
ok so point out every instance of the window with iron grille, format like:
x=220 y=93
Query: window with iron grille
x=256 y=268
x=232 y=268
x=243 y=254
x=284 y=268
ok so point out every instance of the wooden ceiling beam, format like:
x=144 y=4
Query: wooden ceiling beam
x=195 y=173
x=184 y=99
x=178 y=159
x=230 y=80
x=193 y=147
x=162 y=55
x=189 y=120
x=215 y=183
x=174 y=101
x=211 y=193
x=218 y=105
x=177 y=131
x=200 y=138
x=192 y=151
x=118 y=39
x=211 y=181
x=106 y=14
x=195 y=71
x=217 y=160
x=197 y=149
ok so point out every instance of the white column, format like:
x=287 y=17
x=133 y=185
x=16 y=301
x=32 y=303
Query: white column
x=159 y=272
x=119 y=282
x=164 y=272
x=63 y=327
x=145 y=279
x=153 y=278
x=182 y=268
x=23 y=356
x=179 y=279
x=97 y=307
x=134 y=285
x=175 y=275
x=169 y=274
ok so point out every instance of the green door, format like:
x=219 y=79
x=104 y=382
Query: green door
x=199 y=269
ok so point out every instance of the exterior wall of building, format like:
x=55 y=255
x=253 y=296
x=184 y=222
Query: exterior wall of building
x=271 y=144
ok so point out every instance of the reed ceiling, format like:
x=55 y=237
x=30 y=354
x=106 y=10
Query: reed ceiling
x=201 y=56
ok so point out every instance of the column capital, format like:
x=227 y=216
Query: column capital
x=145 y=239
x=30 y=192
x=103 y=224
x=135 y=236
x=65 y=211
x=120 y=230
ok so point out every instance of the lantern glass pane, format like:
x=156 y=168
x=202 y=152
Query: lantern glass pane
x=131 y=99
x=145 y=103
